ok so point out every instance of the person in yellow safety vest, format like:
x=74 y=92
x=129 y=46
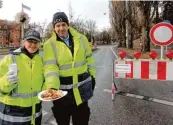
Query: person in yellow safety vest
x=19 y=87
x=69 y=66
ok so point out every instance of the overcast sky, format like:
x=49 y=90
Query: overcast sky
x=44 y=9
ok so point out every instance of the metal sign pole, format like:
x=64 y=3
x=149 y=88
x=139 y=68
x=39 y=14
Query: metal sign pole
x=161 y=56
x=114 y=88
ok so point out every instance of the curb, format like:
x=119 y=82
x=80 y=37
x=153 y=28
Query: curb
x=94 y=49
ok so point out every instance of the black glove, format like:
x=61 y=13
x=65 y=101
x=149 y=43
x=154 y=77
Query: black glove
x=93 y=83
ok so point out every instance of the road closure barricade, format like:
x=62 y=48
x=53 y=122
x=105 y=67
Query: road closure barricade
x=149 y=77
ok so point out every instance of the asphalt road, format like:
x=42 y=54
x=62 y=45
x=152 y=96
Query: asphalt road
x=123 y=110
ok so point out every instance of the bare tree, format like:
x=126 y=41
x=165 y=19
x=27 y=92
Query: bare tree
x=79 y=25
x=48 y=30
x=131 y=21
x=145 y=16
x=40 y=27
x=91 y=27
x=117 y=19
x=70 y=11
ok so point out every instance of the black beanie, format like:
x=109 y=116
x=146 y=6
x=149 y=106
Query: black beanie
x=60 y=17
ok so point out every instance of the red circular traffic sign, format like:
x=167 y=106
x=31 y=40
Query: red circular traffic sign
x=162 y=34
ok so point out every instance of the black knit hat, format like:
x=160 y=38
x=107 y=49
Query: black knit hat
x=60 y=17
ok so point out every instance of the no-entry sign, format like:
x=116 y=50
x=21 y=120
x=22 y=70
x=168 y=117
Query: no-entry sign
x=162 y=34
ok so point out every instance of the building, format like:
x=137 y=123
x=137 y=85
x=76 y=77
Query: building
x=10 y=33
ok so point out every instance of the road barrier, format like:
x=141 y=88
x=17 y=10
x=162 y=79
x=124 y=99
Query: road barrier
x=142 y=69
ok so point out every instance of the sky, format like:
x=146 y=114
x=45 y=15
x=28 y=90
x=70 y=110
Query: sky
x=42 y=10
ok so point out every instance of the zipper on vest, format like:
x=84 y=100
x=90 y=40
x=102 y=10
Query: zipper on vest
x=69 y=52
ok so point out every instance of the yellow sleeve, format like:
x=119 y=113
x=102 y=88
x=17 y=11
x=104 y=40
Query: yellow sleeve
x=89 y=58
x=51 y=69
x=5 y=86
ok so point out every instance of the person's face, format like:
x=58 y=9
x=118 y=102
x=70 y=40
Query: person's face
x=31 y=45
x=61 y=29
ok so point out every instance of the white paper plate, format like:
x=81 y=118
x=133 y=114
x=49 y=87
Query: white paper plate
x=40 y=96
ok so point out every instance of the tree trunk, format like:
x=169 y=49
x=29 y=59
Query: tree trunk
x=120 y=43
x=147 y=40
x=143 y=40
x=131 y=40
x=124 y=33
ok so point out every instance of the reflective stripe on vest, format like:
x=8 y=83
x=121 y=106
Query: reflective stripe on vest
x=68 y=66
x=55 y=51
x=49 y=62
x=83 y=43
x=51 y=74
x=24 y=95
x=75 y=85
x=91 y=66
x=10 y=118
x=76 y=65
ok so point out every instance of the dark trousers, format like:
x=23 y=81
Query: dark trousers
x=80 y=114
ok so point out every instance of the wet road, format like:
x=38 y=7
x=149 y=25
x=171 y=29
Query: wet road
x=123 y=110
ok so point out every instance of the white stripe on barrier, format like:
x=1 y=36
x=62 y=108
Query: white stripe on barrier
x=122 y=75
x=137 y=69
x=169 y=75
x=153 y=70
x=146 y=69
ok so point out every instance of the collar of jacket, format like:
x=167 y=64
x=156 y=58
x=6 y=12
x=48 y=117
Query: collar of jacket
x=24 y=51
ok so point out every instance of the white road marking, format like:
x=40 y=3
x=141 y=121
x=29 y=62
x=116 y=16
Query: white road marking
x=162 y=102
x=107 y=90
x=142 y=97
x=114 y=52
x=134 y=96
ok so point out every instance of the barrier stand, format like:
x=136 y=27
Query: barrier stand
x=113 y=83
x=122 y=55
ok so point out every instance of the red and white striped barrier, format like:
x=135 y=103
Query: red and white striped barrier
x=144 y=69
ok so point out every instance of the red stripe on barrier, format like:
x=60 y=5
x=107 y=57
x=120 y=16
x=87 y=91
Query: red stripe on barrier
x=115 y=73
x=161 y=71
x=130 y=75
x=144 y=70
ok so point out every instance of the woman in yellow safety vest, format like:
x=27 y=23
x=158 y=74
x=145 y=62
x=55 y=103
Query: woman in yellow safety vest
x=21 y=79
